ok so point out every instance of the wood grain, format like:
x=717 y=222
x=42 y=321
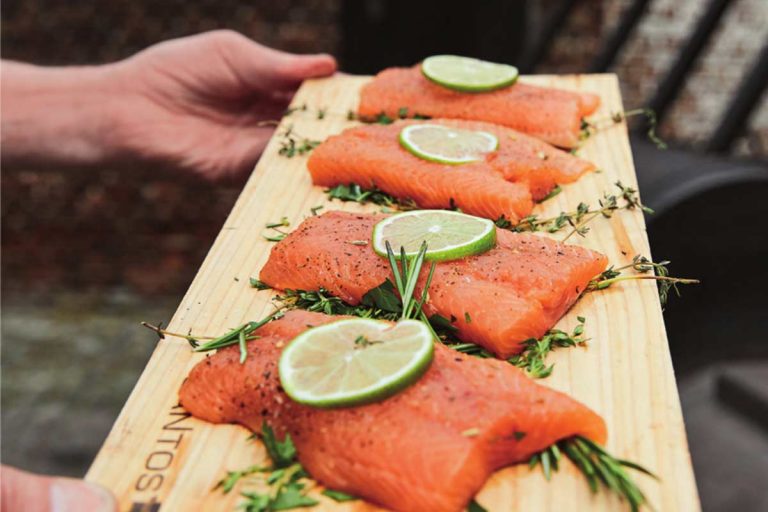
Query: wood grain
x=155 y=454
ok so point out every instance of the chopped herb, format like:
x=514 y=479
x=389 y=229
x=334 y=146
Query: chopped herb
x=229 y=482
x=597 y=466
x=533 y=357
x=283 y=452
x=467 y=318
x=351 y=115
x=519 y=435
x=300 y=108
x=643 y=266
x=321 y=113
x=354 y=192
x=292 y=144
x=339 y=496
x=275 y=226
x=402 y=113
x=322 y=301
x=316 y=209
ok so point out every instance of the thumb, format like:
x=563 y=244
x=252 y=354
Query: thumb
x=267 y=69
x=37 y=493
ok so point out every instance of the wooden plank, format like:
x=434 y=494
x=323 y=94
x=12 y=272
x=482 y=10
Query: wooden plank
x=155 y=454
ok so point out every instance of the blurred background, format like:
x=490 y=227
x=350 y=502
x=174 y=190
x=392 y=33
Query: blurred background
x=86 y=255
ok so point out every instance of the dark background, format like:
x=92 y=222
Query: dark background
x=87 y=254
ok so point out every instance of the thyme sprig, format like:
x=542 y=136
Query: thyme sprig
x=597 y=465
x=643 y=267
x=279 y=234
x=238 y=336
x=292 y=144
x=355 y=193
x=534 y=355
x=625 y=199
x=589 y=128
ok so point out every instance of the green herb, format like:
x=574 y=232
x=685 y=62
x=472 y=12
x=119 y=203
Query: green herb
x=402 y=112
x=354 y=192
x=285 y=477
x=625 y=199
x=275 y=226
x=467 y=318
x=292 y=144
x=552 y=193
x=258 y=284
x=316 y=209
x=351 y=115
x=597 y=465
x=474 y=506
x=238 y=336
x=300 y=108
x=321 y=113
x=590 y=128
x=339 y=496
x=643 y=266
x=533 y=357
x=322 y=301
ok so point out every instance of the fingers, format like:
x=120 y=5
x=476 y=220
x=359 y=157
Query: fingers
x=37 y=493
x=266 y=69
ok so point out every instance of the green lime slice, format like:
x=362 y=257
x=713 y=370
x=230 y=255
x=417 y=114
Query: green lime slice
x=449 y=235
x=467 y=74
x=356 y=361
x=447 y=145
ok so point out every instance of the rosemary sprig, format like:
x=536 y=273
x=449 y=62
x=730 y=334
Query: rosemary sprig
x=275 y=226
x=589 y=128
x=292 y=144
x=597 y=465
x=625 y=199
x=643 y=266
x=238 y=336
x=355 y=193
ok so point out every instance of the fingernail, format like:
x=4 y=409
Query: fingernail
x=70 y=495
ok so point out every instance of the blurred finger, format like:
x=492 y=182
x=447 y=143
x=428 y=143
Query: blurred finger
x=37 y=493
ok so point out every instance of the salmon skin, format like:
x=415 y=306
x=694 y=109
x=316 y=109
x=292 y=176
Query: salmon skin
x=372 y=156
x=552 y=115
x=516 y=291
x=430 y=447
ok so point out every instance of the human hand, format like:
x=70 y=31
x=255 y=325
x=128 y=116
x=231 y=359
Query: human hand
x=37 y=493
x=198 y=102
x=195 y=103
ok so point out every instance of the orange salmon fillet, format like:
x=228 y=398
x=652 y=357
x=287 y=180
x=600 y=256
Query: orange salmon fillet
x=516 y=291
x=552 y=115
x=430 y=447
x=372 y=156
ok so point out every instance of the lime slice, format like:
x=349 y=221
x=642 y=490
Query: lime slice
x=447 y=145
x=449 y=235
x=467 y=74
x=357 y=361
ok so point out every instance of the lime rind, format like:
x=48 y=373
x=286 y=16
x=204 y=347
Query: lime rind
x=466 y=74
x=418 y=226
x=406 y=139
x=383 y=386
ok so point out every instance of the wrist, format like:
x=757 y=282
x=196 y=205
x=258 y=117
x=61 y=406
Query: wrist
x=58 y=115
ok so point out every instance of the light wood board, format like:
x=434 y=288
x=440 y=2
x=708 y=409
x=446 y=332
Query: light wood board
x=156 y=455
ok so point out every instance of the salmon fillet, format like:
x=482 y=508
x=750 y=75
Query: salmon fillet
x=372 y=156
x=552 y=115
x=430 y=447
x=498 y=299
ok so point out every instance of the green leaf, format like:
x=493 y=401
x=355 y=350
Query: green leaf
x=383 y=297
x=258 y=284
x=291 y=496
x=339 y=496
x=474 y=506
x=282 y=453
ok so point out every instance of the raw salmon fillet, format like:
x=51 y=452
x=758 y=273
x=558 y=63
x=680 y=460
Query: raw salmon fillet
x=498 y=299
x=552 y=115
x=372 y=156
x=430 y=447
